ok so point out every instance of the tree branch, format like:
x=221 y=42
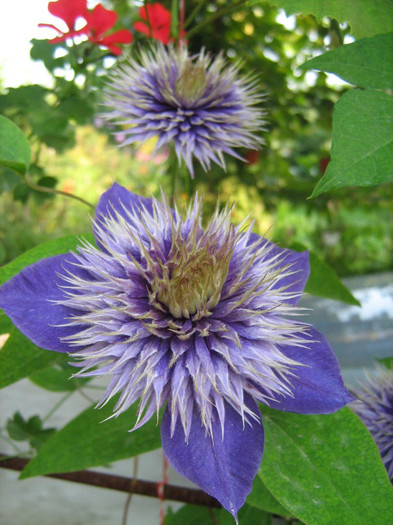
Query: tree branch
x=121 y=483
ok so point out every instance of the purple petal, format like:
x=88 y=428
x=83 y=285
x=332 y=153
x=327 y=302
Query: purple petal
x=225 y=469
x=26 y=299
x=299 y=265
x=118 y=197
x=318 y=387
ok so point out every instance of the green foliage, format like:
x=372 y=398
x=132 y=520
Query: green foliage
x=58 y=378
x=329 y=460
x=194 y=515
x=324 y=282
x=14 y=147
x=261 y=498
x=362 y=148
x=366 y=18
x=19 y=357
x=90 y=441
x=366 y=63
x=29 y=430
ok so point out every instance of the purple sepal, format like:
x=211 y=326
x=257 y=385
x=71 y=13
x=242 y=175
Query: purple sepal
x=299 y=264
x=117 y=198
x=225 y=469
x=317 y=387
x=26 y=299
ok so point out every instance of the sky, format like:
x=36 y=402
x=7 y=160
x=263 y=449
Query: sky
x=18 y=25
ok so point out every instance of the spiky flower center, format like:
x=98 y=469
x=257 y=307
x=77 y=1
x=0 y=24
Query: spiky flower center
x=192 y=280
x=191 y=82
x=188 y=282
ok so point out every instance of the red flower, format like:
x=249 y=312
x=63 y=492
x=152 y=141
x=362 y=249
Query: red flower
x=158 y=24
x=323 y=164
x=252 y=156
x=69 y=11
x=99 y=21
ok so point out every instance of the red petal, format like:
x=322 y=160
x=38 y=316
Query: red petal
x=118 y=37
x=158 y=20
x=142 y=28
x=157 y=15
x=100 y=20
x=68 y=10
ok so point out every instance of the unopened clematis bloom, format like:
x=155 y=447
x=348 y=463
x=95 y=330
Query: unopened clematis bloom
x=374 y=406
x=98 y=22
x=156 y=22
x=200 y=104
x=195 y=318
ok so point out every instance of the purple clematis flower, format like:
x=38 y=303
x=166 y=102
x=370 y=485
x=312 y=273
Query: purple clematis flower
x=195 y=317
x=374 y=406
x=202 y=106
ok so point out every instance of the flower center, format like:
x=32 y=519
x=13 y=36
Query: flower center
x=194 y=284
x=191 y=83
x=189 y=281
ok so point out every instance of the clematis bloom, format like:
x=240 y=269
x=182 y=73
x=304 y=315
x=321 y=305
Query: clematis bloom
x=156 y=22
x=201 y=105
x=197 y=318
x=374 y=406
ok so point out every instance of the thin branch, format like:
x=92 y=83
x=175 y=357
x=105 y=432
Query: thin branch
x=132 y=485
x=44 y=189
x=218 y=14
x=121 y=483
x=193 y=14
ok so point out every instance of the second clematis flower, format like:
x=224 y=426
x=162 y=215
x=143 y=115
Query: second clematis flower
x=197 y=318
x=198 y=103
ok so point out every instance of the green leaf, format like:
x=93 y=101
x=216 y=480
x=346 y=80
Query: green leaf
x=325 y=469
x=58 y=378
x=196 y=515
x=261 y=498
x=19 y=357
x=362 y=144
x=8 y=179
x=47 y=249
x=366 y=63
x=366 y=17
x=30 y=430
x=247 y=516
x=324 y=282
x=190 y=515
x=14 y=147
x=387 y=362
x=89 y=441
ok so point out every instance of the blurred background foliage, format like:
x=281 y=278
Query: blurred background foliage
x=351 y=229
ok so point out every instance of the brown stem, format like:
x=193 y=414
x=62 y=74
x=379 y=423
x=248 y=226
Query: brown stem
x=121 y=483
x=44 y=189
